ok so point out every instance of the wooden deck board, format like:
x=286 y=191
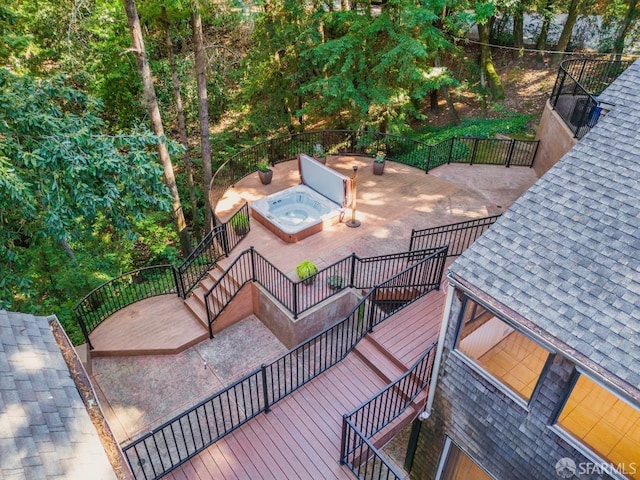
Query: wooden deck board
x=408 y=333
x=156 y=325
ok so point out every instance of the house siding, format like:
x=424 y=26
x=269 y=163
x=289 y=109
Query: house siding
x=507 y=440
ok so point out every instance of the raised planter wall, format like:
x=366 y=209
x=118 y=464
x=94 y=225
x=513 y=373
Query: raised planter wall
x=555 y=140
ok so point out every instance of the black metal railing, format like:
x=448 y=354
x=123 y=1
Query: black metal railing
x=396 y=148
x=179 y=439
x=458 y=236
x=122 y=291
x=131 y=287
x=579 y=82
x=483 y=151
x=299 y=296
x=360 y=426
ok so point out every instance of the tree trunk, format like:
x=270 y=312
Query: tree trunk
x=486 y=61
x=567 y=31
x=629 y=19
x=156 y=122
x=518 y=31
x=541 y=44
x=181 y=121
x=203 y=106
x=67 y=249
x=433 y=100
x=454 y=119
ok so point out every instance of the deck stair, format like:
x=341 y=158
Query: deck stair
x=378 y=359
x=195 y=301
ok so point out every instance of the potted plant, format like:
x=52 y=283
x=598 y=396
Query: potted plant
x=378 y=163
x=306 y=271
x=319 y=154
x=240 y=223
x=264 y=172
x=335 y=281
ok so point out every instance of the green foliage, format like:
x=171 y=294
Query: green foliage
x=263 y=166
x=480 y=128
x=240 y=223
x=306 y=270
x=14 y=41
x=73 y=188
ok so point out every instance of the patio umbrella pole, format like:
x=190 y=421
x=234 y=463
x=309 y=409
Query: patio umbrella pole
x=353 y=223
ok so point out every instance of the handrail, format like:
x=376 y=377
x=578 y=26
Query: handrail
x=399 y=149
x=361 y=424
x=299 y=296
x=106 y=299
x=376 y=467
x=458 y=236
x=125 y=289
x=577 y=86
x=158 y=452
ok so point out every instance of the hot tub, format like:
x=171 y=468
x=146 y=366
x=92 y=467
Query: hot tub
x=295 y=213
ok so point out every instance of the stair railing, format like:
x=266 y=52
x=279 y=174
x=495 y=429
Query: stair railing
x=176 y=441
x=359 y=427
x=299 y=296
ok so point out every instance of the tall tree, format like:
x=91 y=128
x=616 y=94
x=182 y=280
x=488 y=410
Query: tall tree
x=182 y=126
x=156 y=122
x=630 y=17
x=487 y=69
x=203 y=104
x=547 y=16
x=567 y=31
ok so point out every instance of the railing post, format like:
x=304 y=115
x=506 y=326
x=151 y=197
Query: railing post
x=83 y=327
x=177 y=279
x=564 y=76
x=429 y=148
x=294 y=286
x=510 y=153
x=473 y=151
x=353 y=269
x=413 y=444
x=343 y=441
x=535 y=152
x=452 y=139
x=253 y=263
x=264 y=388
x=208 y=310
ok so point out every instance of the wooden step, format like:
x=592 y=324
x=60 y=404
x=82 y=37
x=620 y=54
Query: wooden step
x=379 y=360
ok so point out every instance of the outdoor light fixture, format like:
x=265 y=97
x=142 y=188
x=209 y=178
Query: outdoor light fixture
x=353 y=223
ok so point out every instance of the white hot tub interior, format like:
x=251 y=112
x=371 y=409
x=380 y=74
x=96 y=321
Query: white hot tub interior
x=302 y=210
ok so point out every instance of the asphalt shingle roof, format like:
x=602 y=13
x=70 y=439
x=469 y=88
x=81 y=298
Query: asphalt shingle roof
x=45 y=430
x=566 y=256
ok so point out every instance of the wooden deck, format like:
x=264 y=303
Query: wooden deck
x=389 y=207
x=154 y=326
x=300 y=437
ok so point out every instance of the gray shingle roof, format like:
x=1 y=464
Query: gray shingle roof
x=45 y=430
x=566 y=256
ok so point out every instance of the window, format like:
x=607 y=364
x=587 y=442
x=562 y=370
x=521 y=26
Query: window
x=498 y=349
x=606 y=424
x=457 y=465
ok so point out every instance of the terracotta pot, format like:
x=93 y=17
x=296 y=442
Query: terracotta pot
x=378 y=168
x=265 y=177
x=322 y=160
